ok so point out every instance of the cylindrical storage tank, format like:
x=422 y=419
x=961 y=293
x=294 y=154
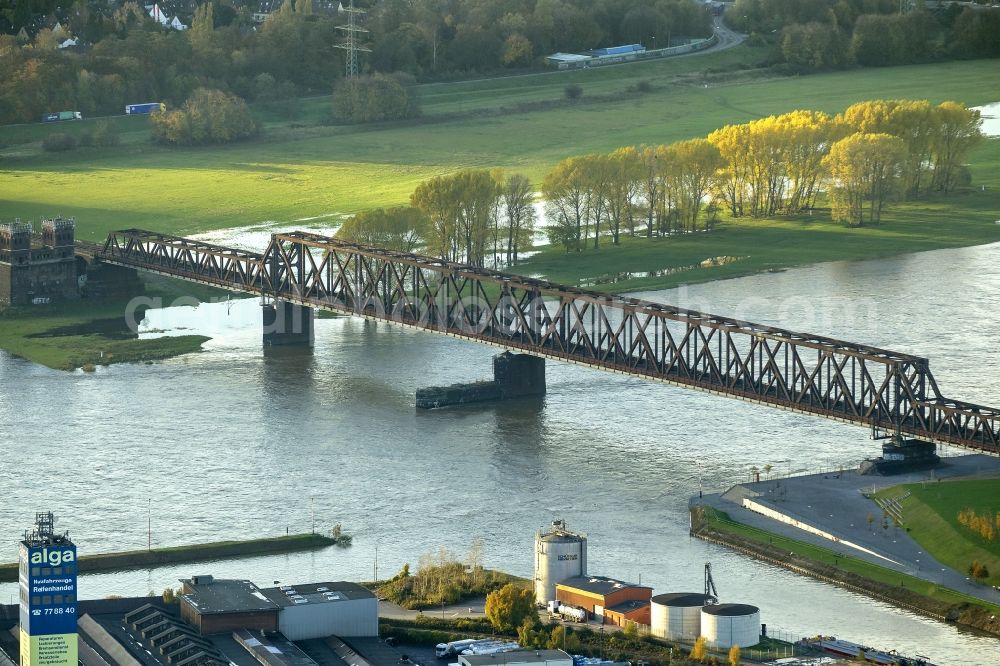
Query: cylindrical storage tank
x=677 y=616
x=726 y=625
x=559 y=554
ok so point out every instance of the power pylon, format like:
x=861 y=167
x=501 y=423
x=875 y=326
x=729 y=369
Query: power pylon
x=352 y=42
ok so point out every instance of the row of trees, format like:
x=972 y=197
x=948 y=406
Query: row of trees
x=862 y=158
x=984 y=525
x=827 y=34
x=483 y=218
x=773 y=166
x=131 y=58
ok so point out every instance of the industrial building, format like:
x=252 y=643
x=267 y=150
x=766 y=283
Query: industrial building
x=299 y=612
x=559 y=554
x=518 y=658
x=726 y=625
x=677 y=616
x=609 y=599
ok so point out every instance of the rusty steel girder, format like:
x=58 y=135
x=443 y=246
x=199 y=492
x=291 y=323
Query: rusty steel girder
x=812 y=374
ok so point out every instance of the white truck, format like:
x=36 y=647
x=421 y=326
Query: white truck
x=442 y=650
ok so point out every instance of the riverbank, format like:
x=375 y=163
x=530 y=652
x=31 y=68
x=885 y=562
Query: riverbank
x=823 y=527
x=142 y=559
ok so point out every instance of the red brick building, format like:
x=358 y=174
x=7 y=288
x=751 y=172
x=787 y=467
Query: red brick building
x=612 y=600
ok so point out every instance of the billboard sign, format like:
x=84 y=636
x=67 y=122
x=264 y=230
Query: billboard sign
x=48 y=590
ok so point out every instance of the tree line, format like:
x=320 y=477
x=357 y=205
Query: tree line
x=828 y=34
x=778 y=165
x=127 y=57
x=475 y=216
x=861 y=159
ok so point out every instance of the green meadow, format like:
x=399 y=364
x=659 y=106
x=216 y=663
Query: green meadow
x=304 y=170
x=930 y=514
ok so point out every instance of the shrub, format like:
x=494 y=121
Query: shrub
x=208 y=116
x=106 y=134
x=644 y=86
x=573 y=91
x=375 y=98
x=58 y=142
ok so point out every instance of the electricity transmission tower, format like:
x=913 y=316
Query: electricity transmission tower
x=352 y=42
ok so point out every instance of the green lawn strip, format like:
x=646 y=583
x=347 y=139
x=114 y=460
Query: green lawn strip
x=188 y=553
x=723 y=523
x=930 y=514
x=73 y=335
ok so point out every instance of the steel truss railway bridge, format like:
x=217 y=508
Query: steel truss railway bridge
x=878 y=388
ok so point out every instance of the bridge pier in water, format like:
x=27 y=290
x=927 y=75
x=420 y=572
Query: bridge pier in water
x=514 y=376
x=287 y=324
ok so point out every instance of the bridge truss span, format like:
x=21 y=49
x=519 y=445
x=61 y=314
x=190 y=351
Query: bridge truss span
x=812 y=374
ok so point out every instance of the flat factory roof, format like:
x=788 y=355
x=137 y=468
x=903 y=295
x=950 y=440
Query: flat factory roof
x=598 y=584
x=568 y=57
x=229 y=596
x=314 y=593
x=516 y=657
x=628 y=606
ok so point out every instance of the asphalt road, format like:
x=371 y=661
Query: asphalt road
x=833 y=502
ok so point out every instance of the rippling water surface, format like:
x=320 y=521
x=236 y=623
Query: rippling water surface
x=237 y=442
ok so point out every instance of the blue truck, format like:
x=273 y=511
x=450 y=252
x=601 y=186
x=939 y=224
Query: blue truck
x=149 y=107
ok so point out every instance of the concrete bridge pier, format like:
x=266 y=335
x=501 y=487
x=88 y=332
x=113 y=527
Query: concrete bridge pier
x=519 y=375
x=514 y=376
x=287 y=324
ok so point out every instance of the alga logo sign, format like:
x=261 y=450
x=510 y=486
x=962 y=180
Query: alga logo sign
x=53 y=557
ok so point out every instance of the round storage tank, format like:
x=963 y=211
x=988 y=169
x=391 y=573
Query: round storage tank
x=559 y=554
x=677 y=615
x=726 y=625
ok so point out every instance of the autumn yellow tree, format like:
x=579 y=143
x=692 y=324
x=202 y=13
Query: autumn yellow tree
x=403 y=228
x=508 y=607
x=565 y=191
x=863 y=169
x=693 y=166
x=700 y=649
x=625 y=172
x=734 y=656
x=957 y=130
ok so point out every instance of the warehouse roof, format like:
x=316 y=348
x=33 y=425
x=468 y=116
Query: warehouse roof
x=228 y=596
x=515 y=657
x=598 y=584
x=628 y=606
x=295 y=595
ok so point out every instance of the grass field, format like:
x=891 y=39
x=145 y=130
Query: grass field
x=722 y=522
x=84 y=335
x=294 y=173
x=930 y=514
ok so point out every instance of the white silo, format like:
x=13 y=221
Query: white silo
x=559 y=554
x=677 y=616
x=726 y=625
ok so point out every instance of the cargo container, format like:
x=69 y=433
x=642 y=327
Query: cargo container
x=56 y=116
x=148 y=107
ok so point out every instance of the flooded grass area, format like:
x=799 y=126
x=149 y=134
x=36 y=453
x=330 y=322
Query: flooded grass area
x=84 y=335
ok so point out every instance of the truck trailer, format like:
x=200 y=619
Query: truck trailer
x=148 y=107
x=56 y=116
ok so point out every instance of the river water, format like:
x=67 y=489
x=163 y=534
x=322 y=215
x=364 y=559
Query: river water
x=234 y=443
